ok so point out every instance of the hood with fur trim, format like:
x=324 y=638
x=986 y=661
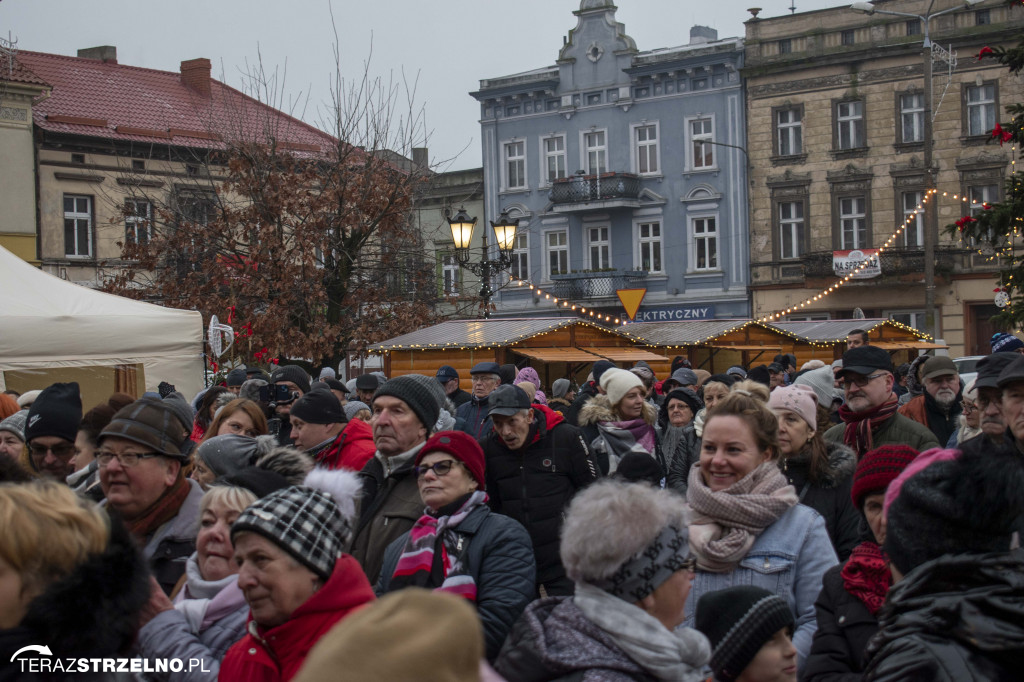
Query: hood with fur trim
x=599 y=409
x=842 y=461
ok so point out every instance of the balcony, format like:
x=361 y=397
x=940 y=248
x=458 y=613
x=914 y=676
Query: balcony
x=592 y=192
x=580 y=286
x=895 y=262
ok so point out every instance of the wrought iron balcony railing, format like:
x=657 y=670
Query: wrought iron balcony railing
x=579 y=286
x=579 y=188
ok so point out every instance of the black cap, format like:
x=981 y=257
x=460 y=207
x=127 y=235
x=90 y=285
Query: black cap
x=446 y=373
x=236 y=377
x=989 y=368
x=292 y=373
x=639 y=467
x=367 y=382
x=600 y=367
x=1012 y=372
x=507 y=400
x=260 y=482
x=335 y=385
x=56 y=412
x=319 y=406
x=776 y=367
x=485 y=368
x=866 y=360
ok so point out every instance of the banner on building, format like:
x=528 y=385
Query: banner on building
x=846 y=262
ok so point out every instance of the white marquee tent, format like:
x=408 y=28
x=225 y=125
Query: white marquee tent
x=53 y=330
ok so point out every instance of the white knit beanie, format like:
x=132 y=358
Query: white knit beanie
x=618 y=382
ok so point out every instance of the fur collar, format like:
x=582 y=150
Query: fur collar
x=842 y=461
x=599 y=409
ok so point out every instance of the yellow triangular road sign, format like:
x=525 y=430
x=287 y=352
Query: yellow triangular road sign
x=631 y=300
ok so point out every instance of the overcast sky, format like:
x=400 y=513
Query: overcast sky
x=447 y=46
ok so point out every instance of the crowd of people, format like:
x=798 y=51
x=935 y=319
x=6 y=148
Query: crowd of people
x=851 y=521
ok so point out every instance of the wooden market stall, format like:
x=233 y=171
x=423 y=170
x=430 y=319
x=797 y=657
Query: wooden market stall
x=828 y=337
x=555 y=347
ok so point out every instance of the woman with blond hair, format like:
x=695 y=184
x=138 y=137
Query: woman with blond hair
x=620 y=421
x=70 y=577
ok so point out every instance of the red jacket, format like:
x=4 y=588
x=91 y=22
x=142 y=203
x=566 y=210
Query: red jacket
x=351 y=450
x=277 y=653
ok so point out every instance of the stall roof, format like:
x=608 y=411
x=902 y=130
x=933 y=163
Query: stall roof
x=627 y=354
x=693 y=333
x=487 y=333
x=558 y=354
x=836 y=331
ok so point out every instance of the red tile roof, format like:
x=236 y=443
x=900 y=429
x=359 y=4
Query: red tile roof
x=118 y=102
x=13 y=71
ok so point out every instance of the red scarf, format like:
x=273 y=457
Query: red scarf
x=161 y=511
x=866 y=575
x=860 y=425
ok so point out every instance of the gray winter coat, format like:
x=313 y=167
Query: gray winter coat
x=168 y=636
x=500 y=560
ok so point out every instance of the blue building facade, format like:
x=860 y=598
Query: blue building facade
x=626 y=169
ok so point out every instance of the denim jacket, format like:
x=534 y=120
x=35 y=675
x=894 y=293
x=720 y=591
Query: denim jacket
x=788 y=559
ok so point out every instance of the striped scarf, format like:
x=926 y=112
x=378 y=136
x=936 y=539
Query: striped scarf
x=417 y=562
x=861 y=425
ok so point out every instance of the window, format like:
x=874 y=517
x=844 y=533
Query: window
x=77 y=226
x=705 y=241
x=785 y=46
x=913 y=231
x=850 y=124
x=911 y=318
x=650 y=247
x=78 y=159
x=979 y=195
x=554 y=158
x=596 y=148
x=520 y=268
x=138 y=165
x=450 y=274
x=557 y=245
x=191 y=170
x=853 y=227
x=982 y=17
x=913 y=27
x=981 y=108
x=137 y=222
x=847 y=37
x=791 y=229
x=646 y=140
x=912 y=117
x=515 y=165
x=599 y=248
x=789 y=131
x=701 y=134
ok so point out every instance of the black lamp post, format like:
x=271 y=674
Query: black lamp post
x=504 y=232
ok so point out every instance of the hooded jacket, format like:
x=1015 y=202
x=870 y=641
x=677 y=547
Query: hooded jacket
x=914 y=387
x=91 y=613
x=351 y=449
x=599 y=409
x=830 y=494
x=277 y=653
x=535 y=483
x=926 y=411
x=959 y=617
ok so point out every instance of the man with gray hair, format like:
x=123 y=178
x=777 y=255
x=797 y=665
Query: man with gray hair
x=939 y=406
x=472 y=416
x=535 y=464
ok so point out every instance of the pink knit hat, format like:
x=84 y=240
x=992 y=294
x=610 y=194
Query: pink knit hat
x=799 y=399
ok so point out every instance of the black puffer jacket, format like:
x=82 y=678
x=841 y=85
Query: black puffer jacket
x=845 y=626
x=534 y=484
x=499 y=557
x=472 y=417
x=957 y=618
x=686 y=455
x=92 y=613
x=830 y=494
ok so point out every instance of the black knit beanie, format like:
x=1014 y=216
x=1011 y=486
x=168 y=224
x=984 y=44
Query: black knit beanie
x=292 y=373
x=56 y=412
x=319 y=406
x=962 y=504
x=416 y=395
x=738 y=621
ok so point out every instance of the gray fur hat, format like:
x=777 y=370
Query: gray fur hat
x=227 y=454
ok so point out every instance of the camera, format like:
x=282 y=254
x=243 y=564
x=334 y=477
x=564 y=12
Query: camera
x=277 y=394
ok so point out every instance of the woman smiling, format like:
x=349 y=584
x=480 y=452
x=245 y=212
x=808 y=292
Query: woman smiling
x=620 y=421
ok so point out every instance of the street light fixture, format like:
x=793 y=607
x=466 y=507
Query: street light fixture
x=931 y=225
x=504 y=228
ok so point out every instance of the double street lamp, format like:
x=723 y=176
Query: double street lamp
x=505 y=234
x=931 y=222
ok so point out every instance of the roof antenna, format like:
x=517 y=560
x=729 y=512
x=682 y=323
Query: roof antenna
x=792 y=6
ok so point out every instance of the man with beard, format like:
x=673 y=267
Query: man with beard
x=939 y=406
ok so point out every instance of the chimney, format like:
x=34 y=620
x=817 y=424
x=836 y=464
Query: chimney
x=104 y=53
x=420 y=157
x=702 y=34
x=195 y=75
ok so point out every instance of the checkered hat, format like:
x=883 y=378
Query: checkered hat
x=302 y=521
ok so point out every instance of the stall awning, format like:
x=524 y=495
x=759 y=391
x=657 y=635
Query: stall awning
x=907 y=345
x=627 y=354
x=758 y=347
x=558 y=354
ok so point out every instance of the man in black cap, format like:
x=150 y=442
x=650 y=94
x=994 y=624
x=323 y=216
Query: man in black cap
x=295 y=381
x=776 y=376
x=448 y=377
x=471 y=417
x=235 y=379
x=939 y=407
x=535 y=464
x=319 y=427
x=366 y=386
x=404 y=413
x=990 y=399
x=50 y=431
x=870 y=416
x=339 y=389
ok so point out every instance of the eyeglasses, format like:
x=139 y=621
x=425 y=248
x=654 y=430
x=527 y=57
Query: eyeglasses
x=861 y=381
x=483 y=378
x=60 y=450
x=440 y=468
x=969 y=408
x=126 y=459
x=986 y=400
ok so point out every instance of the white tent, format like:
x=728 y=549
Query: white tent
x=50 y=327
